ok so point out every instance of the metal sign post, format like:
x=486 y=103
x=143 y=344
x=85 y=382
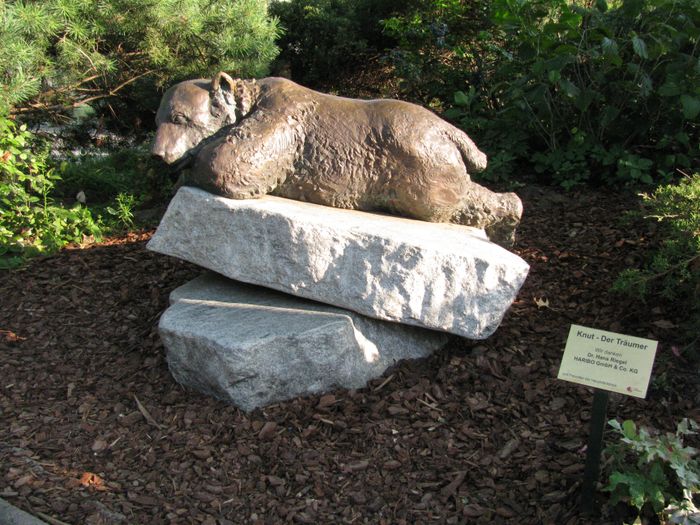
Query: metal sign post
x=595 y=447
x=608 y=362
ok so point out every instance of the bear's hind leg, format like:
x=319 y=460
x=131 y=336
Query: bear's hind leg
x=497 y=213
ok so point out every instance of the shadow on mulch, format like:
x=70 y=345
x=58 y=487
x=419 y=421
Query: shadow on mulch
x=94 y=430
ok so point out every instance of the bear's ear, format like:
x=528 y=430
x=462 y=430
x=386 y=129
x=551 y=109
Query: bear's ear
x=222 y=82
x=223 y=93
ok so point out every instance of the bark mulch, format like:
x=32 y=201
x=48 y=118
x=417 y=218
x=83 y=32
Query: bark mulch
x=94 y=430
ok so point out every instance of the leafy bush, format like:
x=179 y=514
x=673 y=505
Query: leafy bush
x=102 y=178
x=79 y=51
x=673 y=271
x=436 y=44
x=581 y=91
x=323 y=37
x=655 y=470
x=123 y=210
x=30 y=222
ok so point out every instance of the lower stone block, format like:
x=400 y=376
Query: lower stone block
x=252 y=346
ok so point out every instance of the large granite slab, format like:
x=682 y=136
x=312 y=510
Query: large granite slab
x=438 y=276
x=252 y=346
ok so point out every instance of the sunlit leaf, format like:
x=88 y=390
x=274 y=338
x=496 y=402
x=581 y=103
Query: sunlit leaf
x=629 y=429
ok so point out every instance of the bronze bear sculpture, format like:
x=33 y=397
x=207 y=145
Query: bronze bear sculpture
x=247 y=138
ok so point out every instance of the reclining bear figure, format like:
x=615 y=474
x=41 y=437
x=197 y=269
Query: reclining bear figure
x=247 y=138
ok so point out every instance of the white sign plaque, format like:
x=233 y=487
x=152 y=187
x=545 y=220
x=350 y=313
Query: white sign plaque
x=608 y=361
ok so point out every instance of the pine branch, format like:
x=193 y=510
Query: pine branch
x=39 y=107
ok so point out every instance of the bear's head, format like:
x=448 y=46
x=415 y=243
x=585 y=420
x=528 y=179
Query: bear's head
x=193 y=110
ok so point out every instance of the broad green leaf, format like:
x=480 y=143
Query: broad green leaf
x=569 y=88
x=658 y=501
x=585 y=99
x=615 y=424
x=637 y=493
x=629 y=429
x=560 y=61
x=570 y=19
x=610 y=113
x=618 y=478
x=669 y=89
x=453 y=113
x=609 y=47
x=640 y=47
x=568 y=50
x=691 y=106
x=538 y=67
x=645 y=85
x=461 y=98
x=527 y=51
x=683 y=138
x=632 y=8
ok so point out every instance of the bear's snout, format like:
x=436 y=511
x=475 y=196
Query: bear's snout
x=173 y=141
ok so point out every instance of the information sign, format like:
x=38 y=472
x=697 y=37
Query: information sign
x=608 y=361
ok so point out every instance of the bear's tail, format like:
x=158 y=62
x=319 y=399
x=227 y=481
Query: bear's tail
x=474 y=159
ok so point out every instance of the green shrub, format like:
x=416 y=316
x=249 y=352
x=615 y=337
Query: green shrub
x=30 y=221
x=579 y=91
x=123 y=210
x=655 y=470
x=673 y=271
x=436 y=46
x=103 y=177
x=73 y=52
x=324 y=37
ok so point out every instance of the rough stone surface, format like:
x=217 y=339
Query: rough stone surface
x=253 y=346
x=439 y=276
x=11 y=515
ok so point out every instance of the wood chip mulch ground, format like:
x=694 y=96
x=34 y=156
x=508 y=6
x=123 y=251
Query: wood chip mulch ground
x=94 y=430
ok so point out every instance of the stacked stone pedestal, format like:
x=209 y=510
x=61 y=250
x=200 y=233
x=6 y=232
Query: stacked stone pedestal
x=253 y=346
x=334 y=297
